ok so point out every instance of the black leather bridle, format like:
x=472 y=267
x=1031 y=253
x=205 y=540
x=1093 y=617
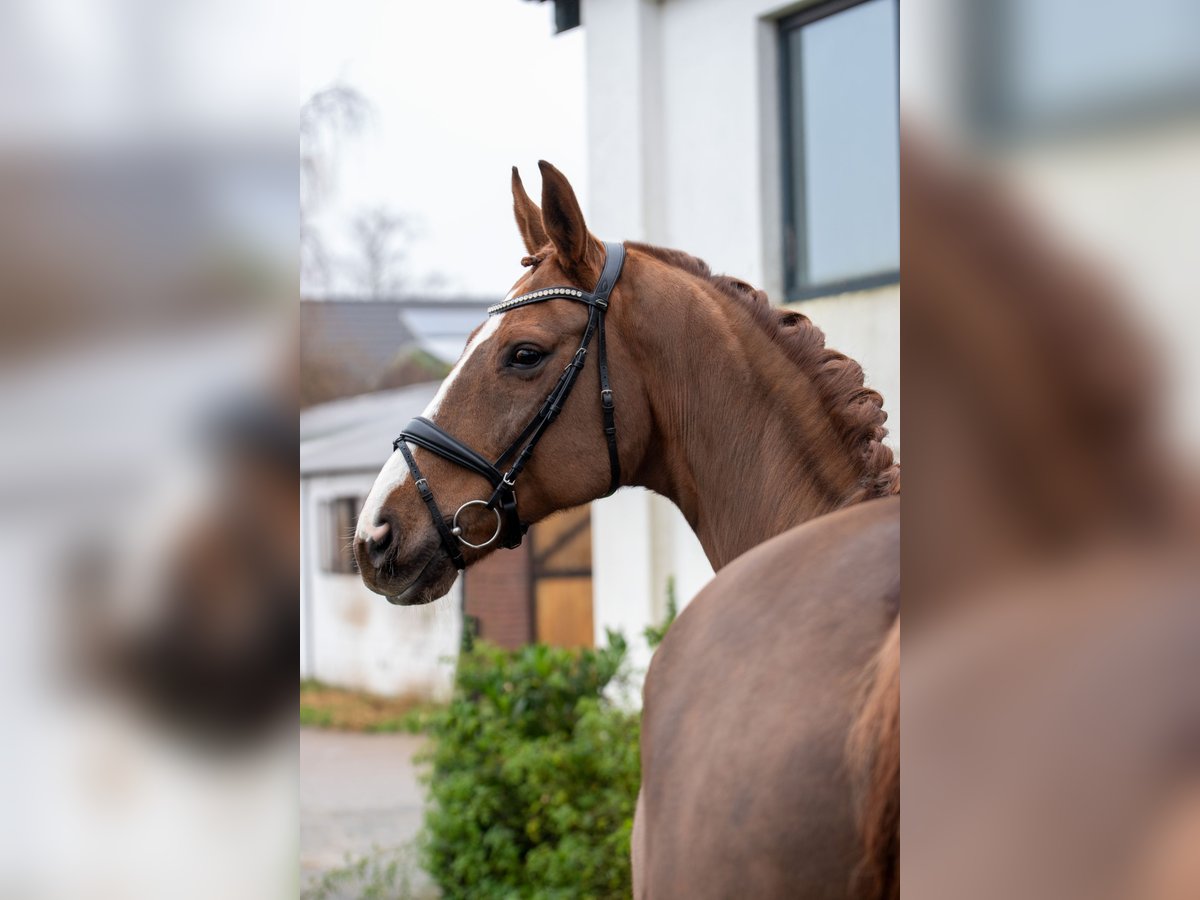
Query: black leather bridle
x=503 y=501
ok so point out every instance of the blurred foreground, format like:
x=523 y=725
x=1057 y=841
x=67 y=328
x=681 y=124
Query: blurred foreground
x=148 y=522
x=1051 y=208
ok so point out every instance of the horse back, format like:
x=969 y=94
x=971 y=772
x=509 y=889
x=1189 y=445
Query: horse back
x=747 y=708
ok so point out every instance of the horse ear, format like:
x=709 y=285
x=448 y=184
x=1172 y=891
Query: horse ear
x=562 y=216
x=529 y=217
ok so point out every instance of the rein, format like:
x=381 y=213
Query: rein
x=510 y=530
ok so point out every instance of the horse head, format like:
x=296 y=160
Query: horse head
x=449 y=494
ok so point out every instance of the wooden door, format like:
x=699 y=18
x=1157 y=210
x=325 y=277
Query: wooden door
x=562 y=578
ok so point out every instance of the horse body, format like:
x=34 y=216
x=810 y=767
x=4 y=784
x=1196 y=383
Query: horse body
x=748 y=705
x=737 y=412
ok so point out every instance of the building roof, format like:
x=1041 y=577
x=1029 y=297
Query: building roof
x=443 y=329
x=356 y=434
x=369 y=334
x=363 y=335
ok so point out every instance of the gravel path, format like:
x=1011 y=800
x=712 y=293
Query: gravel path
x=358 y=792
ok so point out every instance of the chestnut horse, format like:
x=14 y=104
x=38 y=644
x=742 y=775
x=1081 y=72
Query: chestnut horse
x=770 y=749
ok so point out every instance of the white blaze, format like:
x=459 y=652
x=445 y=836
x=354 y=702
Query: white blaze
x=395 y=470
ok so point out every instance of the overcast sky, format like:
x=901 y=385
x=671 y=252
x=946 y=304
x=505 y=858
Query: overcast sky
x=462 y=91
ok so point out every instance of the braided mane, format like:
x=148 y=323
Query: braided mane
x=855 y=410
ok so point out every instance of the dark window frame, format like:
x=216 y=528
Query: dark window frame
x=794 y=289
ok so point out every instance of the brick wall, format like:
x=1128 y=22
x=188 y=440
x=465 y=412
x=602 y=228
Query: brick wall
x=497 y=592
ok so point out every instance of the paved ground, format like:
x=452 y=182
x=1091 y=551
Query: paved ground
x=357 y=792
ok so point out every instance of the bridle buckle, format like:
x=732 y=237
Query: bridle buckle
x=578 y=360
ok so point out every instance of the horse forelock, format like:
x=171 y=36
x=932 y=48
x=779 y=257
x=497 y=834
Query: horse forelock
x=855 y=410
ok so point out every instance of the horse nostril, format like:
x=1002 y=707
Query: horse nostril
x=379 y=542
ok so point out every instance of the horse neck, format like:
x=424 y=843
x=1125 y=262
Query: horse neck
x=741 y=458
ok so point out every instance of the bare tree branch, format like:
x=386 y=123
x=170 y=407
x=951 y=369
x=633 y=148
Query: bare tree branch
x=381 y=236
x=325 y=118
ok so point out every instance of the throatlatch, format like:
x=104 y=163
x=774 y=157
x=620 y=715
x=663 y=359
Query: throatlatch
x=503 y=502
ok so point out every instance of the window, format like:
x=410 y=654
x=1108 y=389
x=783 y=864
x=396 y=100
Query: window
x=339 y=518
x=841 y=147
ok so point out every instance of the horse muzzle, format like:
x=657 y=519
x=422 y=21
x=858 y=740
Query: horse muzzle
x=409 y=579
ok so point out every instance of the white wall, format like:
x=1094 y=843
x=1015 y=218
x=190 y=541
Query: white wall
x=683 y=151
x=352 y=637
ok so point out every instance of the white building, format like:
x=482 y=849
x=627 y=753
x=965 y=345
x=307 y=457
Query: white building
x=763 y=138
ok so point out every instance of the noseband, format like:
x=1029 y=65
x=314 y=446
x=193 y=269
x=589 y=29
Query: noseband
x=503 y=501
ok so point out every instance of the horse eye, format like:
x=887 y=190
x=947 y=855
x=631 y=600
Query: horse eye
x=526 y=357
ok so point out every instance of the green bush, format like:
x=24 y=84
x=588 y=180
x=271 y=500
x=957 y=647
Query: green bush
x=534 y=777
x=655 y=634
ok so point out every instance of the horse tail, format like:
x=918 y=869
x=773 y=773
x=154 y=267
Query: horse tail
x=873 y=751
